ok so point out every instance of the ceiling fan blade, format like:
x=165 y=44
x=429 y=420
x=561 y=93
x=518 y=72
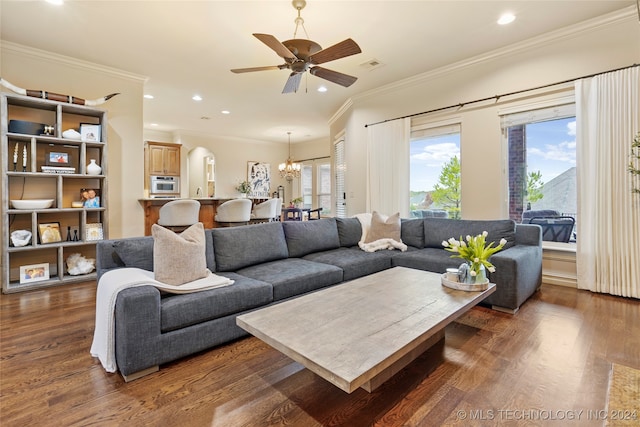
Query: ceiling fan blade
x=340 y=50
x=248 y=70
x=275 y=44
x=333 y=76
x=293 y=82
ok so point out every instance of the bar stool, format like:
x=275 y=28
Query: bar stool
x=178 y=215
x=234 y=212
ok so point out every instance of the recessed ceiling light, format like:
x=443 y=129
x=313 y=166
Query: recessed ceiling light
x=197 y=98
x=322 y=89
x=154 y=124
x=225 y=112
x=147 y=96
x=56 y=2
x=506 y=18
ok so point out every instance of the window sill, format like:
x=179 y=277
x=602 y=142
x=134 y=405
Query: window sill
x=558 y=246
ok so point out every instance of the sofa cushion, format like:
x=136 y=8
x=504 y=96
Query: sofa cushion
x=353 y=261
x=429 y=259
x=238 y=247
x=134 y=252
x=179 y=311
x=438 y=229
x=294 y=276
x=383 y=227
x=412 y=232
x=179 y=258
x=305 y=237
x=349 y=231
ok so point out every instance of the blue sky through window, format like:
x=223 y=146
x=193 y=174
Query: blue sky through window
x=428 y=156
x=551 y=147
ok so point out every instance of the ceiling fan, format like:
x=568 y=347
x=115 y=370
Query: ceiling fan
x=301 y=55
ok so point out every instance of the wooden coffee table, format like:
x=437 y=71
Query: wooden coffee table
x=360 y=333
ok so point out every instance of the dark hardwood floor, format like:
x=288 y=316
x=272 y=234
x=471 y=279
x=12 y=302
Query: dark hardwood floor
x=552 y=359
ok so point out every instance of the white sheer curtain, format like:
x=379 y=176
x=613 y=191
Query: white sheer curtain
x=388 y=167
x=608 y=244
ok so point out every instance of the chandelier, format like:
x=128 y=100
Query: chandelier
x=289 y=169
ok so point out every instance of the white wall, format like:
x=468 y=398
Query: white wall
x=597 y=46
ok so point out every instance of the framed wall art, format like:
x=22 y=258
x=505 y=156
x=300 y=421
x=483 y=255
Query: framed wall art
x=259 y=177
x=34 y=273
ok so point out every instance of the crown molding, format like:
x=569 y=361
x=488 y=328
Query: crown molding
x=613 y=18
x=347 y=104
x=31 y=52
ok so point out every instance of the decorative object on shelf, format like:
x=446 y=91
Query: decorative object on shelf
x=73 y=234
x=289 y=169
x=24 y=158
x=49 y=130
x=476 y=252
x=25 y=127
x=50 y=232
x=77 y=204
x=71 y=134
x=20 y=238
x=243 y=188
x=259 y=177
x=93 y=168
x=15 y=157
x=634 y=164
x=90 y=132
x=78 y=264
x=90 y=197
x=56 y=96
x=32 y=204
x=93 y=232
x=34 y=273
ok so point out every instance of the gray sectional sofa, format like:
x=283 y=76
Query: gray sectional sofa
x=275 y=261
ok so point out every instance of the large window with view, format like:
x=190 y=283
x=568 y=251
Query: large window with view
x=542 y=170
x=435 y=171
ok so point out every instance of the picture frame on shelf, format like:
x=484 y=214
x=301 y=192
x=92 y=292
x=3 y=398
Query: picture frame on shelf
x=59 y=158
x=90 y=197
x=34 y=273
x=94 y=231
x=49 y=232
x=90 y=132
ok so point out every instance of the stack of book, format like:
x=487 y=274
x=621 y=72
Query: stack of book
x=58 y=169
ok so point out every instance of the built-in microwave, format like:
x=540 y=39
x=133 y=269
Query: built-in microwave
x=164 y=185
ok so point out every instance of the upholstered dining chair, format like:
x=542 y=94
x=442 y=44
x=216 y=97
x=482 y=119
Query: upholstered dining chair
x=234 y=212
x=177 y=215
x=266 y=211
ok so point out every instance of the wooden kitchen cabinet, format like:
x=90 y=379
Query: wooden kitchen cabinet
x=163 y=159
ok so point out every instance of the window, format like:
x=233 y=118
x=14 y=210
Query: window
x=340 y=168
x=542 y=166
x=434 y=170
x=316 y=187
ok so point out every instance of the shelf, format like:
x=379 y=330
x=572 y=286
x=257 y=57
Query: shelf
x=63 y=188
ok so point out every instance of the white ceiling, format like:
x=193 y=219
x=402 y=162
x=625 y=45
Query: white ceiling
x=188 y=47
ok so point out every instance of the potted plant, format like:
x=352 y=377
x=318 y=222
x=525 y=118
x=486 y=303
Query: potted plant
x=243 y=188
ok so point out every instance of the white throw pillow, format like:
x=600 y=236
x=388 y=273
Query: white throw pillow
x=179 y=258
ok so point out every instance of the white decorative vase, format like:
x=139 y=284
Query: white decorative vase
x=93 y=168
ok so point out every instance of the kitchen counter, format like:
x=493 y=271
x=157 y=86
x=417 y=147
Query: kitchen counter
x=208 y=207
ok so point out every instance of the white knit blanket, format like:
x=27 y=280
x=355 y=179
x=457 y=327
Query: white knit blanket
x=376 y=245
x=111 y=283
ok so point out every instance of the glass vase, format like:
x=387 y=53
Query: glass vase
x=481 y=273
